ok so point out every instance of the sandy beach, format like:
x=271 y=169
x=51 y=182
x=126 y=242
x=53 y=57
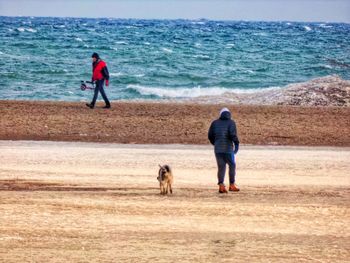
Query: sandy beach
x=89 y=202
x=79 y=185
x=179 y=123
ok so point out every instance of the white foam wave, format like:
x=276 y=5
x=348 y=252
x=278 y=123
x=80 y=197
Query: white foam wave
x=22 y=29
x=263 y=34
x=307 y=28
x=201 y=56
x=1 y=53
x=198 y=23
x=147 y=43
x=167 y=50
x=121 y=43
x=78 y=39
x=32 y=30
x=116 y=74
x=190 y=92
x=325 y=26
x=139 y=75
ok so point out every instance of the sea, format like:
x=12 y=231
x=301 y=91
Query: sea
x=45 y=58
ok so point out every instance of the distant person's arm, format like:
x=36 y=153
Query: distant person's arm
x=105 y=74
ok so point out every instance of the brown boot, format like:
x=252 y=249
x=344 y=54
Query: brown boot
x=222 y=189
x=233 y=188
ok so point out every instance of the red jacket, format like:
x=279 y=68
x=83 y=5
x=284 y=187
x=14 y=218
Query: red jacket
x=99 y=70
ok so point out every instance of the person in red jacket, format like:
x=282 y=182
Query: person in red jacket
x=100 y=74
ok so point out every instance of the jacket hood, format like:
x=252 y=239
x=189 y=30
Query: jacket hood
x=226 y=115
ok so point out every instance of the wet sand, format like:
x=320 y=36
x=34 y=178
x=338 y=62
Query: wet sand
x=179 y=123
x=97 y=202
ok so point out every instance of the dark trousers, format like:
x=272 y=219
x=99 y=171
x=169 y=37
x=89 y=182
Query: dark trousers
x=99 y=88
x=222 y=159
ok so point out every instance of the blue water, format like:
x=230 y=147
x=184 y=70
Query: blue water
x=45 y=58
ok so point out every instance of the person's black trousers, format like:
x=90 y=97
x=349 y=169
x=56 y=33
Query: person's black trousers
x=222 y=159
x=99 y=88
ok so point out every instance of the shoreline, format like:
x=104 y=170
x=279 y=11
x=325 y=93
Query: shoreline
x=172 y=123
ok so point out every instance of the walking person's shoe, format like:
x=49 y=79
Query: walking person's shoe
x=108 y=106
x=89 y=105
x=222 y=189
x=233 y=188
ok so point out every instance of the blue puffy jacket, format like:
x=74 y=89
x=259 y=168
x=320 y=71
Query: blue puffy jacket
x=223 y=133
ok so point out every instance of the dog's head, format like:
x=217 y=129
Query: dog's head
x=163 y=170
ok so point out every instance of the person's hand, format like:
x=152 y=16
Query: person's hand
x=107 y=82
x=236 y=148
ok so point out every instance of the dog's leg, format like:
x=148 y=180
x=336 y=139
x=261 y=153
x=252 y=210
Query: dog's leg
x=161 y=186
x=171 y=188
x=167 y=186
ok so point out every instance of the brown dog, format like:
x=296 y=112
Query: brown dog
x=165 y=178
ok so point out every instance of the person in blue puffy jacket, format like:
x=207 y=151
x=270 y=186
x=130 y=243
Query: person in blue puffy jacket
x=223 y=135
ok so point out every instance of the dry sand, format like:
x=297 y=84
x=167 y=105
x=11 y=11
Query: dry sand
x=87 y=202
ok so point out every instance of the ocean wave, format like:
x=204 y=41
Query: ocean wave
x=167 y=50
x=22 y=29
x=307 y=28
x=263 y=34
x=119 y=74
x=324 y=91
x=31 y=30
x=116 y=74
x=205 y=57
x=325 y=26
x=198 y=23
x=327 y=66
x=194 y=92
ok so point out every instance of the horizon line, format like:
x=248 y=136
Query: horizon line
x=174 y=19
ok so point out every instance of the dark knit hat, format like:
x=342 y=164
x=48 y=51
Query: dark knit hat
x=95 y=55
